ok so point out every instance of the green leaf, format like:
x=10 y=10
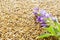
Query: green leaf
x=51 y=30
x=58 y=34
x=44 y=35
x=58 y=26
x=56 y=31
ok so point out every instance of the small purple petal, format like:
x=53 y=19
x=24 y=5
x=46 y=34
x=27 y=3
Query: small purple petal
x=35 y=10
x=35 y=13
x=43 y=12
x=43 y=25
x=47 y=15
x=40 y=18
x=43 y=22
x=54 y=19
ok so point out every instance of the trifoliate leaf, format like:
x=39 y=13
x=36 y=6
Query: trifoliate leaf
x=51 y=30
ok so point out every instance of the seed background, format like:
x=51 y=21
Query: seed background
x=17 y=21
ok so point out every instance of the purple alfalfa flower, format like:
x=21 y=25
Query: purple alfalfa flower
x=41 y=20
x=43 y=25
x=35 y=10
x=42 y=12
x=45 y=14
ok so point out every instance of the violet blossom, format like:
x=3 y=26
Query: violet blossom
x=41 y=20
x=43 y=14
x=35 y=10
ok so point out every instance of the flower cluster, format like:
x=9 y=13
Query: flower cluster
x=46 y=19
x=42 y=16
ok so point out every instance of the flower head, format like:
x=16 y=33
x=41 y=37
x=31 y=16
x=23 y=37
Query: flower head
x=45 y=14
x=43 y=17
x=41 y=20
x=35 y=10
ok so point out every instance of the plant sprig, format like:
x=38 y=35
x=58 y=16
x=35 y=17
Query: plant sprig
x=54 y=25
